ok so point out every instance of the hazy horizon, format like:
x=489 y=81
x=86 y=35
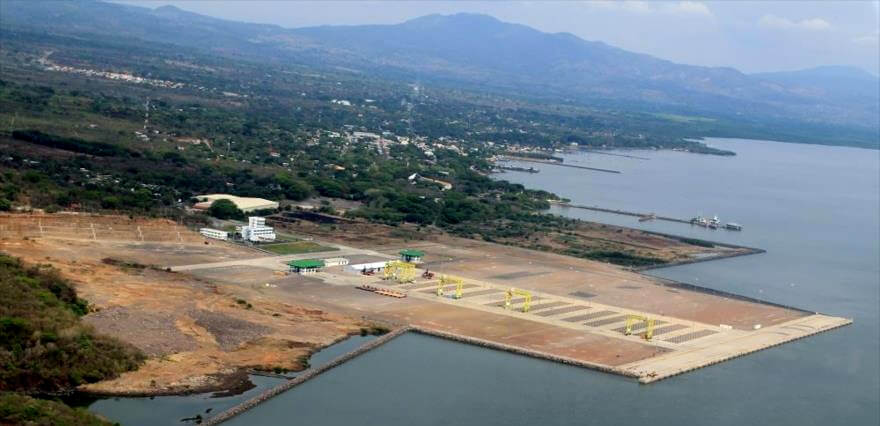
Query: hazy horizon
x=777 y=36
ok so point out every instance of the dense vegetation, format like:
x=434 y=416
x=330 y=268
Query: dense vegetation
x=43 y=345
x=610 y=96
x=225 y=209
x=69 y=144
x=84 y=142
x=17 y=409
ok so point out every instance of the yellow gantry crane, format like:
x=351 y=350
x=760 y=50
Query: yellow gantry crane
x=446 y=280
x=516 y=292
x=633 y=319
x=403 y=272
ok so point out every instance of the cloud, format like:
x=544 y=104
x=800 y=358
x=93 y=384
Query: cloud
x=688 y=8
x=776 y=22
x=643 y=7
x=867 y=40
x=628 y=6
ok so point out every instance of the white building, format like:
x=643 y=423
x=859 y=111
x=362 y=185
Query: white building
x=245 y=204
x=335 y=261
x=214 y=233
x=256 y=231
x=362 y=267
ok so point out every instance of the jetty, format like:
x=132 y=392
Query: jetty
x=557 y=163
x=641 y=216
x=518 y=169
x=615 y=154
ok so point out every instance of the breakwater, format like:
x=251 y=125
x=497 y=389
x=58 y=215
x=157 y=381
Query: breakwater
x=312 y=373
x=302 y=378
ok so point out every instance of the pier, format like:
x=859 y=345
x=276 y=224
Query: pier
x=727 y=344
x=518 y=169
x=622 y=212
x=557 y=163
x=615 y=154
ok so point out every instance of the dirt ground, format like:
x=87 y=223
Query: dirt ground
x=594 y=281
x=588 y=236
x=197 y=332
x=563 y=275
x=201 y=327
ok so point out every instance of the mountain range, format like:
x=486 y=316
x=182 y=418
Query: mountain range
x=480 y=52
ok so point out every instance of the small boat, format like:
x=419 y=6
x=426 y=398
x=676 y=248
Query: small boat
x=733 y=226
x=700 y=221
x=647 y=217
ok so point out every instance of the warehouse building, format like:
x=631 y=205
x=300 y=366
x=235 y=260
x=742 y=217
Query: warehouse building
x=245 y=204
x=305 y=267
x=362 y=268
x=411 y=256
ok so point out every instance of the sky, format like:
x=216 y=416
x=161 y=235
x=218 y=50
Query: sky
x=752 y=36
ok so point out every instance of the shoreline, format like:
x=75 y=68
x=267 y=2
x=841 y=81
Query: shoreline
x=641 y=377
x=302 y=378
x=228 y=384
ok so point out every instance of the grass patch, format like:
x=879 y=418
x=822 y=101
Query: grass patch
x=615 y=257
x=697 y=242
x=297 y=247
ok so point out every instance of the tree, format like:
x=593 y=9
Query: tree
x=225 y=209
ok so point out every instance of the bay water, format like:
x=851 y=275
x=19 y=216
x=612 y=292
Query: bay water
x=813 y=208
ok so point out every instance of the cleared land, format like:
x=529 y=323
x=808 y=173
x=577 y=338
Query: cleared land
x=200 y=333
x=580 y=307
x=587 y=240
x=578 y=313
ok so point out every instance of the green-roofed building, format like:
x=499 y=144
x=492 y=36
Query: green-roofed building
x=411 y=255
x=307 y=266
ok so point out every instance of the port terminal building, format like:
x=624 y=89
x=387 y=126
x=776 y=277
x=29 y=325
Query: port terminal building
x=307 y=266
x=411 y=255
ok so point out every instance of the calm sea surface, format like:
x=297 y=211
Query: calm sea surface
x=815 y=209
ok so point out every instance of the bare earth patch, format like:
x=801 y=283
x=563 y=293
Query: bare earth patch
x=197 y=335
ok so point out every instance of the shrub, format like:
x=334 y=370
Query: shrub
x=43 y=345
x=18 y=409
x=225 y=209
